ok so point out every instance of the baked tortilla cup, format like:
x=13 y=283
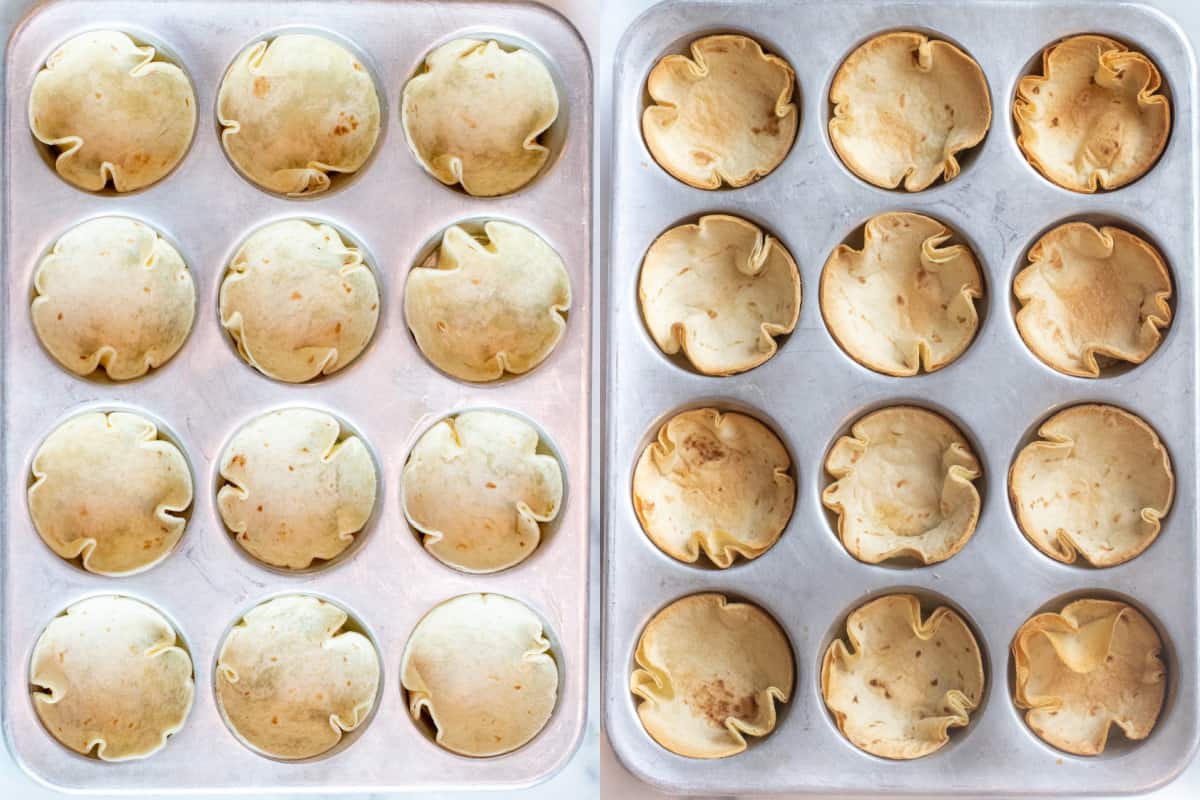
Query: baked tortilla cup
x=1096 y=483
x=296 y=109
x=108 y=677
x=724 y=115
x=720 y=291
x=477 y=490
x=491 y=304
x=297 y=487
x=1093 y=118
x=904 y=487
x=709 y=673
x=474 y=113
x=109 y=491
x=906 y=300
x=291 y=681
x=112 y=110
x=480 y=666
x=714 y=483
x=299 y=301
x=113 y=295
x=904 y=106
x=1092 y=297
x=1079 y=672
x=904 y=681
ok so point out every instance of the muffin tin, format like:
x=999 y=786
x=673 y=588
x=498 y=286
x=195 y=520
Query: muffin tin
x=997 y=392
x=389 y=396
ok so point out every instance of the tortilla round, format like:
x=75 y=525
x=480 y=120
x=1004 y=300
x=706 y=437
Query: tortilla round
x=114 y=295
x=1091 y=297
x=1093 y=119
x=481 y=667
x=295 y=109
x=723 y=115
x=113 y=110
x=109 y=677
x=478 y=491
x=299 y=301
x=298 y=487
x=714 y=483
x=1079 y=672
x=904 y=487
x=906 y=300
x=489 y=304
x=475 y=112
x=720 y=291
x=291 y=680
x=904 y=107
x=109 y=491
x=1096 y=483
x=904 y=681
x=710 y=672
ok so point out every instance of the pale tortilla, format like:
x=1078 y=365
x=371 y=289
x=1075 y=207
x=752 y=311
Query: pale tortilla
x=481 y=667
x=113 y=110
x=113 y=294
x=109 y=491
x=109 y=677
x=474 y=115
x=478 y=492
x=299 y=487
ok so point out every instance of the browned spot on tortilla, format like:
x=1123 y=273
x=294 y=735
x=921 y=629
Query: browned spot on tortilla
x=261 y=87
x=295 y=295
x=718 y=703
x=239 y=459
x=705 y=448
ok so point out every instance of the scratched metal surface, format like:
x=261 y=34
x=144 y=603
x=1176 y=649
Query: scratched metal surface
x=811 y=391
x=205 y=393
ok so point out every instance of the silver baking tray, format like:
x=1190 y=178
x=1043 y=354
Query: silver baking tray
x=390 y=395
x=811 y=391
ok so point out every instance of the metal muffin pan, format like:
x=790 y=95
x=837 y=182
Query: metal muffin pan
x=811 y=391
x=390 y=395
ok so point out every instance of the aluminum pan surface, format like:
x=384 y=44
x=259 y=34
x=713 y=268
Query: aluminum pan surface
x=391 y=394
x=811 y=391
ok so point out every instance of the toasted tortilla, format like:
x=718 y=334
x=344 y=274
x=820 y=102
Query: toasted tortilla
x=474 y=114
x=299 y=301
x=720 y=291
x=904 y=487
x=714 y=483
x=709 y=674
x=904 y=681
x=298 y=487
x=1093 y=119
x=1091 y=297
x=490 y=304
x=292 y=681
x=112 y=110
x=1096 y=483
x=113 y=294
x=904 y=106
x=480 y=666
x=296 y=109
x=906 y=300
x=723 y=115
x=109 y=491
x=1079 y=672
x=109 y=677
